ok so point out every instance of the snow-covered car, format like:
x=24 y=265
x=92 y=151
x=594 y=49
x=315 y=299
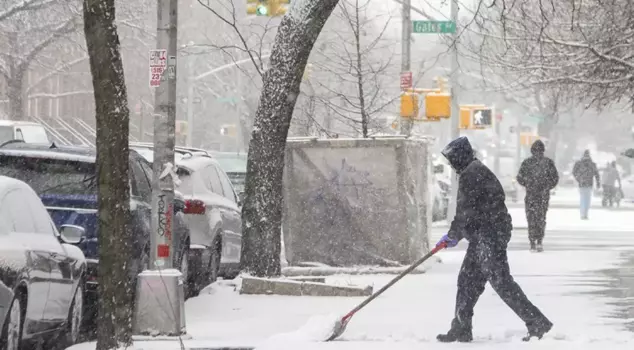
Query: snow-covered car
x=41 y=275
x=22 y=131
x=441 y=199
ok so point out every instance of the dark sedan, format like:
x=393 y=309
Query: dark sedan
x=41 y=273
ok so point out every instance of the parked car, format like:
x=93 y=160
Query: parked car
x=65 y=180
x=41 y=273
x=235 y=165
x=22 y=131
x=212 y=213
x=441 y=192
x=627 y=184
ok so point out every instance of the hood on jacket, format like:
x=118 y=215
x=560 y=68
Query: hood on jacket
x=586 y=154
x=459 y=153
x=538 y=148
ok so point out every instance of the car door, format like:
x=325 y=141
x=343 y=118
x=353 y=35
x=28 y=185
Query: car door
x=61 y=287
x=232 y=224
x=141 y=196
x=22 y=232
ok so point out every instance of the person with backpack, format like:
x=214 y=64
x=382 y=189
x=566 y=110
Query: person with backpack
x=539 y=176
x=585 y=171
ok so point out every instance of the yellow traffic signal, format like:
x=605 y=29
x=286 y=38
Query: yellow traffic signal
x=437 y=105
x=409 y=105
x=270 y=8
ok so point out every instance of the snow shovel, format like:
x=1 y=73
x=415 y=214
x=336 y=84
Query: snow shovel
x=340 y=325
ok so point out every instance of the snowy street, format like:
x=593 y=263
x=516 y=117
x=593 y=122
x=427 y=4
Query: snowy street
x=570 y=282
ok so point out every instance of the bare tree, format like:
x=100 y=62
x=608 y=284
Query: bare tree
x=26 y=34
x=112 y=114
x=357 y=56
x=262 y=210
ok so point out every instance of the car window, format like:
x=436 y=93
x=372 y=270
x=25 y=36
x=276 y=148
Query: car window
x=226 y=185
x=6 y=134
x=41 y=218
x=147 y=170
x=20 y=211
x=34 y=134
x=213 y=180
x=140 y=185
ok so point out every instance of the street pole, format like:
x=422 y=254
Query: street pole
x=406 y=36
x=159 y=307
x=454 y=131
x=518 y=145
x=190 y=101
x=498 y=144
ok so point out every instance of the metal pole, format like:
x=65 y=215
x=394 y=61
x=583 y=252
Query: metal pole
x=190 y=101
x=518 y=145
x=164 y=129
x=406 y=36
x=498 y=144
x=454 y=131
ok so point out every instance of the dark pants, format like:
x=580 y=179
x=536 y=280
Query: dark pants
x=536 y=206
x=609 y=195
x=489 y=262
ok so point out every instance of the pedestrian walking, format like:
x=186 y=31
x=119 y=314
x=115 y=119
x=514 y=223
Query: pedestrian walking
x=483 y=219
x=585 y=171
x=610 y=177
x=539 y=176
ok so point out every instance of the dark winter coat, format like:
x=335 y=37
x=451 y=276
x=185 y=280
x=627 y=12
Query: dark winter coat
x=481 y=214
x=538 y=174
x=585 y=170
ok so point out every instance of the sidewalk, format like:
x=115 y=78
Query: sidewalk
x=563 y=283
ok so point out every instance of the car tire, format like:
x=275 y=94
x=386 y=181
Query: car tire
x=215 y=256
x=12 y=329
x=74 y=324
x=196 y=271
x=183 y=267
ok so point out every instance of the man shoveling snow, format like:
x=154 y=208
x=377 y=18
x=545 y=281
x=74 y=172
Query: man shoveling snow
x=483 y=219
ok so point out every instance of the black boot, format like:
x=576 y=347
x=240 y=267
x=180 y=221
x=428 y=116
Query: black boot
x=538 y=329
x=533 y=246
x=458 y=333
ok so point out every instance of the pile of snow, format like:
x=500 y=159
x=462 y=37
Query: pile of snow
x=317 y=329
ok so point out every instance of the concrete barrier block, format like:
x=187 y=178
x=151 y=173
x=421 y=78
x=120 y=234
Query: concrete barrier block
x=314 y=279
x=254 y=285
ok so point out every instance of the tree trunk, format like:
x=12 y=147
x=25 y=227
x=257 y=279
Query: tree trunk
x=16 y=97
x=112 y=114
x=262 y=211
x=357 y=37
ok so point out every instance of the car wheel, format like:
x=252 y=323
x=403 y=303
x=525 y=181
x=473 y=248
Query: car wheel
x=197 y=273
x=75 y=318
x=184 y=269
x=214 y=260
x=12 y=330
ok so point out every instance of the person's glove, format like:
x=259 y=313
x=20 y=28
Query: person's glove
x=447 y=241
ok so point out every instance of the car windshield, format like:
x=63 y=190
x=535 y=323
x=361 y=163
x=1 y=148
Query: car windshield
x=48 y=176
x=232 y=163
x=6 y=134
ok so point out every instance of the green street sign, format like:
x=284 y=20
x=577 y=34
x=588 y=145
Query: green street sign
x=433 y=27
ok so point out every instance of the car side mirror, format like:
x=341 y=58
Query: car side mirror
x=179 y=206
x=241 y=198
x=439 y=169
x=72 y=234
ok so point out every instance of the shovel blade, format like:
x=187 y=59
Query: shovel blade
x=338 y=329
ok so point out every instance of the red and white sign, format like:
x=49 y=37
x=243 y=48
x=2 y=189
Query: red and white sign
x=158 y=64
x=406 y=80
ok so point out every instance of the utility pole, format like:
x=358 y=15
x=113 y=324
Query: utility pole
x=161 y=310
x=190 y=101
x=406 y=41
x=454 y=131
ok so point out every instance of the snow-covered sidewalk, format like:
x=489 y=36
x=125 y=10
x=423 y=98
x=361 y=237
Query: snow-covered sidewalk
x=563 y=283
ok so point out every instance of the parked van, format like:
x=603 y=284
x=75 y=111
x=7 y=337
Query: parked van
x=28 y=132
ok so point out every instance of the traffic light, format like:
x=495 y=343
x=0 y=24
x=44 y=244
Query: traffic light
x=270 y=8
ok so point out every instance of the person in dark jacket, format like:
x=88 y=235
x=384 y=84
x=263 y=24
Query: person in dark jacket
x=539 y=176
x=483 y=219
x=584 y=171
